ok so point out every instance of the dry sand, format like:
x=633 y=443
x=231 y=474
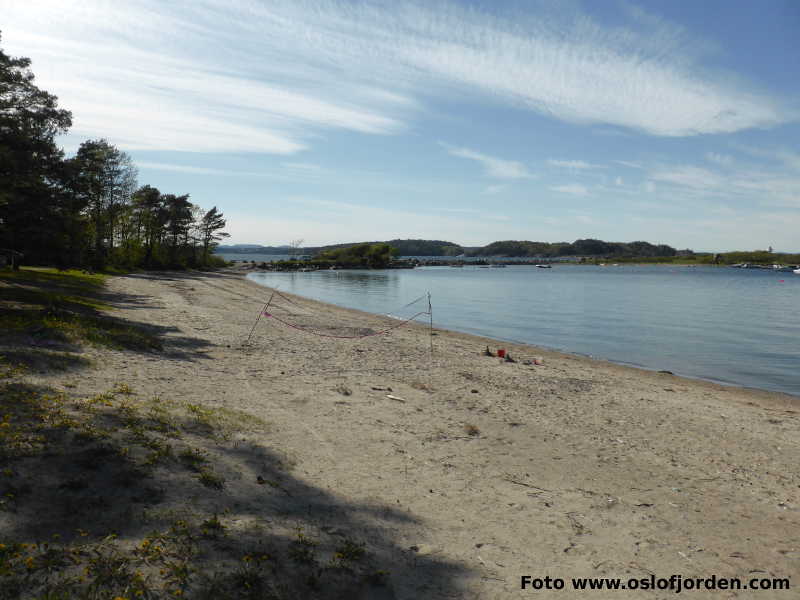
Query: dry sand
x=462 y=472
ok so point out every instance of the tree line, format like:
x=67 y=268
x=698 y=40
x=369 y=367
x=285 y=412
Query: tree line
x=585 y=247
x=87 y=210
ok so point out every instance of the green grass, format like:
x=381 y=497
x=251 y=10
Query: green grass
x=77 y=281
x=52 y=307
x=67 y=462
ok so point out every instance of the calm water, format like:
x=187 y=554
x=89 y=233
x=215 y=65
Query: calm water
x=729 y=325
x=256 y=257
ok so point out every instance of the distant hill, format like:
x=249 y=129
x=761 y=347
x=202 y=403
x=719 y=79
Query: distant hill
x=583 y=247
x=404 y=248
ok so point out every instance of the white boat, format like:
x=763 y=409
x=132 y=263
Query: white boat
x=796 y=271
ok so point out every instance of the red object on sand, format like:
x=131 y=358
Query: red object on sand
x=501 y=352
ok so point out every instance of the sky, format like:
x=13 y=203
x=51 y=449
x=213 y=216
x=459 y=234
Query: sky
x=470 y=121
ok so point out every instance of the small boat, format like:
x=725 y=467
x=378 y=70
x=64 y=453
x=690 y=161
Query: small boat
x=796 y=271
x=544 y=266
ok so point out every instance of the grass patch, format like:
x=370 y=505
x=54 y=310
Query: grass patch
x=303 y=550
x=218 y=422
x=349 y=551
x=68 y=465
x=210 y=479
x=193 y=459
x=35 y=359
x=52 y=307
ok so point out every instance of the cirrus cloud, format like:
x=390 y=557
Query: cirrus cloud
x=272 y=77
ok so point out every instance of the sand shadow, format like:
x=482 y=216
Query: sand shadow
x=235 y=513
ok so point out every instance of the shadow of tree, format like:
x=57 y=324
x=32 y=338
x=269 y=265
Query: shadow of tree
x=35 y=359
x=54 y=312
x=125 y=496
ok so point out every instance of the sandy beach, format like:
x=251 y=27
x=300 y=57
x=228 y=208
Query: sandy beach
x=462 y=472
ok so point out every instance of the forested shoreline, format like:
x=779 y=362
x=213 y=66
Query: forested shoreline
x=88 y=210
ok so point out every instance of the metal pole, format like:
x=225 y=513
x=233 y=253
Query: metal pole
x=261 y=312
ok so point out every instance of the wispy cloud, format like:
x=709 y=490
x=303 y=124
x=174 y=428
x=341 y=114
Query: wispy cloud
x=495 y=167
x=723 y=160
x=250 y=76
x=573 y=164
x=629 y=164
x=154 y=166
x=121 y=72
x=315 y=216
x=495 y=189
x=788 y=158
x=574 y=189
x=689 y=176
x=750 y=186
x=285 y=172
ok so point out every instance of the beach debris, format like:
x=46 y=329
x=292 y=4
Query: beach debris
x=501 y=352
x=488 y=352
x=261 y=480
x=343 y=390
x=667 y=372
x=527 y=362
x=473 y=391
x=378 y=388
x=538 y=361
x=517 y=480
x=422 y=549
x=509 y=359
x=471 y=429
x=391 y=397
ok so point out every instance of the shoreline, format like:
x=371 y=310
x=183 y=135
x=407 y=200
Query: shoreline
x=540 y=349
x=462 y=473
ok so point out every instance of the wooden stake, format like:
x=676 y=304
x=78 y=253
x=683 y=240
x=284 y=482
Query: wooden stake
x=430 y=314
x=261 y=312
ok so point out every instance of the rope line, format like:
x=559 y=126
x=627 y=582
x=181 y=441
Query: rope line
x=345 y=337
x=410 y=303
x=289 y=300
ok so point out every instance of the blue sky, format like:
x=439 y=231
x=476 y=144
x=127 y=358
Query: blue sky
x=324 y=120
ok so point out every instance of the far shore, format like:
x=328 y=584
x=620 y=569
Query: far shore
x=467 y=471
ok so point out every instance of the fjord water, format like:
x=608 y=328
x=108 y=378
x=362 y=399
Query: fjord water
x=734 y=326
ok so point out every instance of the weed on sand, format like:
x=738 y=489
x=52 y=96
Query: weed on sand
x=50 y=308
x=115 y=496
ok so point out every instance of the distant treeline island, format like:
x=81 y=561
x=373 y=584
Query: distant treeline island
x=638 y=251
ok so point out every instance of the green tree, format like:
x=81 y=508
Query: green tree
x=210 y=231
x=151 y=217
x=30 y=119
x=107 y=178
x=179 y=221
